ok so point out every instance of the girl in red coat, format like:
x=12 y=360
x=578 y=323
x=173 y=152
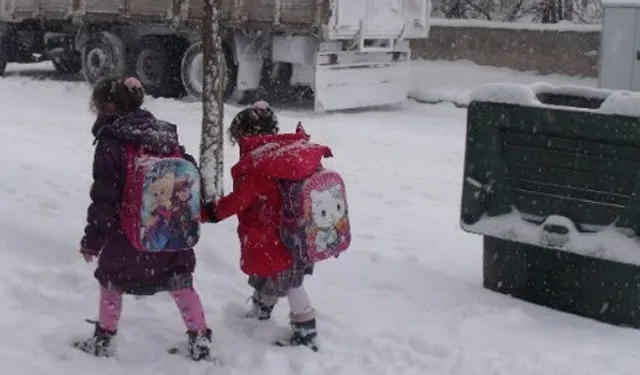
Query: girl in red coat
x=265 y=158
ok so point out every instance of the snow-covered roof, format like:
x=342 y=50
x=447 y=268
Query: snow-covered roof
x=624 y=103
x=621 y=3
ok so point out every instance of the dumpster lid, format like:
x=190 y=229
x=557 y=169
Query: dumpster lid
x=618 y=102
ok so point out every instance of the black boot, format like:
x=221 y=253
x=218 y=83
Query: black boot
x=200 y=345
x=304 y=333
x=259 y=310
x=99 y=344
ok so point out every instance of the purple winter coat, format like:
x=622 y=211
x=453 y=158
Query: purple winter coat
x=120 y=266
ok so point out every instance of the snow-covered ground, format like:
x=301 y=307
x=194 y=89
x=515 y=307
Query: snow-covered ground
x=453 y=81
x=405 y=299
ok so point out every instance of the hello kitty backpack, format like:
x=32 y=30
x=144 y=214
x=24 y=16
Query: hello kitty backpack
x=315 y=224
x=161 y=206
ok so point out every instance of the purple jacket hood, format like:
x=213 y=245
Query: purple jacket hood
x=139 y=128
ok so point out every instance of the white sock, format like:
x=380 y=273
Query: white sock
x=299 y=303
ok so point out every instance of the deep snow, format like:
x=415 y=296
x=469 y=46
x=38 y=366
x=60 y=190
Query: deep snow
x=405 y=299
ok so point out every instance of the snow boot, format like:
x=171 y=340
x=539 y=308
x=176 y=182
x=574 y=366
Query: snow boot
x=99 y=344
x=199 y=345
x=302 y=334
x=259 y=310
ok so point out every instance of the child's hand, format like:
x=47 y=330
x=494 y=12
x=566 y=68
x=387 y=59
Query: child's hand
x=88 y=255
x=208 y=213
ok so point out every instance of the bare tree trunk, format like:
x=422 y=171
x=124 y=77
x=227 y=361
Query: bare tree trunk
x=212 y=138
x=548 y=11
x=568 y=10
x=554 y=11
x=455 y=10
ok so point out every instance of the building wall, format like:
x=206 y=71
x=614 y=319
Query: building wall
x=562 y=49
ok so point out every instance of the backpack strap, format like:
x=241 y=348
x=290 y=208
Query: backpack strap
x=131 y=156
x=179 y=152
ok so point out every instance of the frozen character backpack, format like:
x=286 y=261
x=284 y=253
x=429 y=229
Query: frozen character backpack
x=315 y=223
x=161 y=206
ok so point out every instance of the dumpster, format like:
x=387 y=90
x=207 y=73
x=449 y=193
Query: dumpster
x=551 y=182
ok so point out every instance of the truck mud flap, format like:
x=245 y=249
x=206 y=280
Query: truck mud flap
x=339 y=87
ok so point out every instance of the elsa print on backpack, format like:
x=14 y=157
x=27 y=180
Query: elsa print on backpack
x=170 y=204
x=186 y=210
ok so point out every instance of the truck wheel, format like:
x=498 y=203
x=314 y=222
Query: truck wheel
x=154 y=66
x=192 y=72
x=103 y=56
x=67 y=66
x=4 y=36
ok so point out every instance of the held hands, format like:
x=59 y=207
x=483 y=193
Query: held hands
x=209 y=213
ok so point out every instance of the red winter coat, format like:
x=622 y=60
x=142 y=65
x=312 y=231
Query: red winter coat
x=256 y=196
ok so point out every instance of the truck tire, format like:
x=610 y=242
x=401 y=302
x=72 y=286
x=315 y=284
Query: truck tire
x=192 y=69
x=4 y=36
x=155 y=68
x=3 y=63
x=103 y=56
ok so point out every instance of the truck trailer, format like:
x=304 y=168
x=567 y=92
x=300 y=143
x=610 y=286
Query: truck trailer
x=348 y=53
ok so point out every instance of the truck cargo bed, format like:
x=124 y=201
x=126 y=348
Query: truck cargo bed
x=283 y=12
x=266 y=13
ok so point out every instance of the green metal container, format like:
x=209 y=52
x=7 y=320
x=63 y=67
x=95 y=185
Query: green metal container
x=551 y=181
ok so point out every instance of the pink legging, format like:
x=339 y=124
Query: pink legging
x=187 y=300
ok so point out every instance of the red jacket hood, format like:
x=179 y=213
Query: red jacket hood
x=287 y=156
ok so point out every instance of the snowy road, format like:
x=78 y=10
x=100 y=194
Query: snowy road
x=405 y=299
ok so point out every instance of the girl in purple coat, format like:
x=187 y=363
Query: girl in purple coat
x=121 y=268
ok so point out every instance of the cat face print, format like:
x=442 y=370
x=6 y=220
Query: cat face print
x=327 y=206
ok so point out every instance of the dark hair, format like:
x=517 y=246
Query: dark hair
x=117 y=95
x=257 y=120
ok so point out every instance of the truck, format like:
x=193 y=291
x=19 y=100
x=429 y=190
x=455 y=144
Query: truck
x=346 y=53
